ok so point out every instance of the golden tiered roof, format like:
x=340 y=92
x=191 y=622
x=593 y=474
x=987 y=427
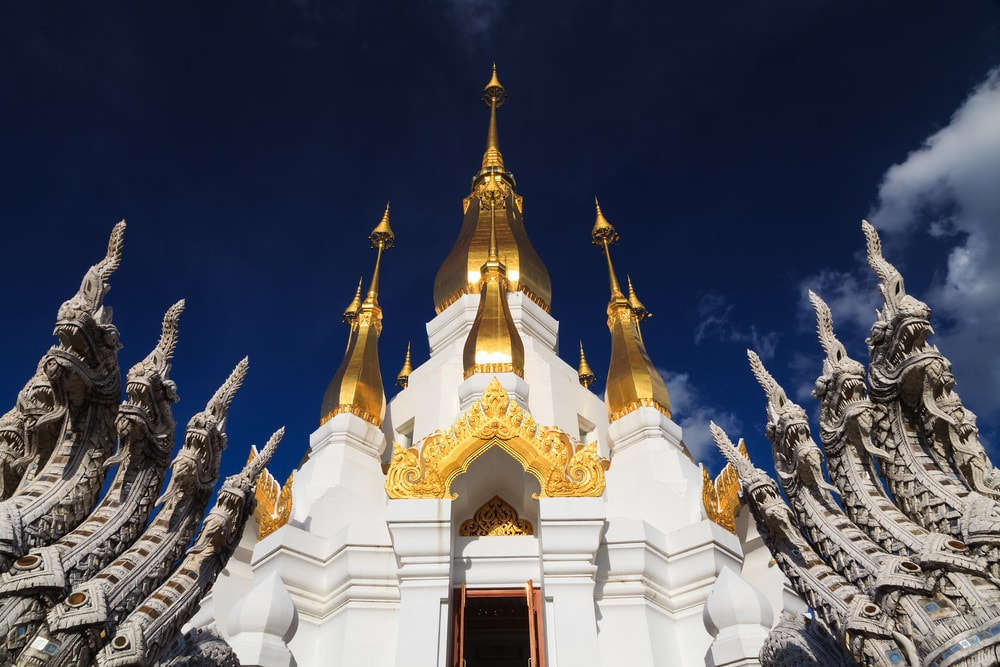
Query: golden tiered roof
x=460 y=272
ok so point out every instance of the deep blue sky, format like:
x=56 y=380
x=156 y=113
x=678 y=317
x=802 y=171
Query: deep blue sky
x=251 y=147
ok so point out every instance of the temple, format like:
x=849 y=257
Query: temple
x=496 y=511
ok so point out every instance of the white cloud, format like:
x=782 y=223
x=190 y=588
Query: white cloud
x=950 y=187
x=715 y=323
x=693 y=414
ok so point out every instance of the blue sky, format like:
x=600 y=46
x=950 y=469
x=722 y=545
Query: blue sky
x=736 y=147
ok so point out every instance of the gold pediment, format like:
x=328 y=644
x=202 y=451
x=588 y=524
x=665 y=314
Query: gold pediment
x=563 y=466
x=496 y=518
x=721 y=496
x=274 y=501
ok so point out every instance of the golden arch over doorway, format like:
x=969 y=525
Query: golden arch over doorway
x=562 y=466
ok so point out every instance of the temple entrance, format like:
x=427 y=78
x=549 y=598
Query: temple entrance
x=497 y=628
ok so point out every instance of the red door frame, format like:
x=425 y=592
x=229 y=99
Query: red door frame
x=536 y=626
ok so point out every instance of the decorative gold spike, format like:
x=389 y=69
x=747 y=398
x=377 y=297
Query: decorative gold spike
x=354 y=306
x=586 y=375
x=633 y=381
x=403 y=379
x=357 y=386
x=637 y=307
x=603 y=234
x=494 y=95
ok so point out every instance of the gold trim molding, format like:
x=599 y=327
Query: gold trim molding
x=721 y=497
x=274 y=501
x=496 y=518
x=562 y=466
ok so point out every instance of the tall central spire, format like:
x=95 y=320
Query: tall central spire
x=494 y=95
x=493 y=200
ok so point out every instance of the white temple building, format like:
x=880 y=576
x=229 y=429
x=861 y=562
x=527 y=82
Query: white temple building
x=496 y=512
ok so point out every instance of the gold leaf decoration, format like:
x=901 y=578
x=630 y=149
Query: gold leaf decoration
x=274 y=501
x=721 y=496
x=563 y=466
x=495 y=518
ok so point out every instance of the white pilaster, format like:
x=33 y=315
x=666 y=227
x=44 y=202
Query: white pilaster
x=570 y=534
x=739 y=618
x=423 y=541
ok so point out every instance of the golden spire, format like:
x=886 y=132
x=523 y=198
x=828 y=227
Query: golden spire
x=583 y=371
x=640 y=310
x=633 y=381
x=604 y=235
x=357 y=386
x=354 y=306
x=403 y=379
x=383 y=239
x=493 y=345
x=493 y=196
x=494 y=95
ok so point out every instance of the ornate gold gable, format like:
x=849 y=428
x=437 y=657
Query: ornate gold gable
x=721 y=497
x=562 y=466
x=274 y=501
x=496 y=518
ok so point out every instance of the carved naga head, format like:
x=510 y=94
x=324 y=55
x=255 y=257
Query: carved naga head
x=224 y=523
x=845 y=413
x=797 y=458
x=195 y=469
x=146 y=415
x=11 y=451
x=902 y=327
x=83 y=325
x=760 y=492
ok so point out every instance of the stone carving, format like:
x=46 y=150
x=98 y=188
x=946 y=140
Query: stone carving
x=77 y=569
x=922 y=557
x=495 y=518
x=561 y=466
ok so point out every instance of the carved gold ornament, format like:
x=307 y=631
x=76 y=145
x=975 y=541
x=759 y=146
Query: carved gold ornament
x=494 y=519
x=274 y=501
x=721 y=497
x=562 y=466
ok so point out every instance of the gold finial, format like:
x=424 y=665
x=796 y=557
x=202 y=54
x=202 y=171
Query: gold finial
x=586 y=375
x=640 y=310
x=403 y=379
x=603 y=234
x=383 y=238
x=494 y=95
x=354 y=306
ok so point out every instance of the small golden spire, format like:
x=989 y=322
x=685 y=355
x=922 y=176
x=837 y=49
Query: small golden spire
x=603 y=234
x=586 y=375
x=637 y=307
x=493 y=344
x=354 y=306
x=494 y=95
x=403 y=379
x=633 y=381
x=382 y=238
x=356 y=388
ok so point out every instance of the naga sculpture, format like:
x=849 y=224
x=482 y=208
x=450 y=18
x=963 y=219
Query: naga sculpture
x=76 y=569
x=922 y=556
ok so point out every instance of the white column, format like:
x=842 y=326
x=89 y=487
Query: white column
x=423 y=541
x=570 y=534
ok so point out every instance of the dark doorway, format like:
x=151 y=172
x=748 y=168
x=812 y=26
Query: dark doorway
x=496 y=632
x=497 y=628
